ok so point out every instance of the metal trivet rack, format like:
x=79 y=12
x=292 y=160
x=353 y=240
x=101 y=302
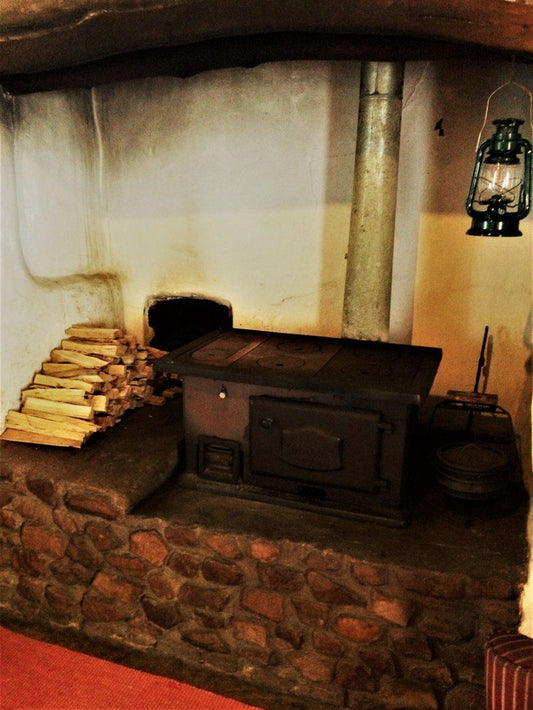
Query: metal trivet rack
x=477 y=461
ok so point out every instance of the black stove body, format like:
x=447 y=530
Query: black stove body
x=312 y=422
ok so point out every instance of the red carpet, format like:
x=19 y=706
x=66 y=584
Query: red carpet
x=35 y=675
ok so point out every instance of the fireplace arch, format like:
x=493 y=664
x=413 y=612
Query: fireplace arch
x=80 y=44
x=87 y=42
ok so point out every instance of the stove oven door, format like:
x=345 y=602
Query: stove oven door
x=297 y=445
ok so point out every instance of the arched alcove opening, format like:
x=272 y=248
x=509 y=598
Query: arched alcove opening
x=178 y=320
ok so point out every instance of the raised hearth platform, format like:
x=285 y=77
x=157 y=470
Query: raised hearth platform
x=113 y=471
x=268 y=603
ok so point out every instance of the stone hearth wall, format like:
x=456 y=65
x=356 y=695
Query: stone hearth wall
x=290 y=617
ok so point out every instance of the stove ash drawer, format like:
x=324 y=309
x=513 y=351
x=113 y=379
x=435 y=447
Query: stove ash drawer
x=316 y=444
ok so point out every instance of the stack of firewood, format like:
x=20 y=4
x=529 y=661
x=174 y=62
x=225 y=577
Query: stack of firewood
x=90 y=381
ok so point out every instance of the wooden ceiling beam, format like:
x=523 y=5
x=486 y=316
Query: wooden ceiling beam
x=41 y=36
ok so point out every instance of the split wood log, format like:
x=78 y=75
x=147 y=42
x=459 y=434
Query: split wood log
x=80 y=359
x=49 y=381
x=100 y=403
x=78 y=411
x=117 y=370
x=128 y=358
x=82 y=425
x=85 y=332
x=143 y=369
x=38 y=425
x=106 y=349
x=57 y=394
x=155 y=353
x=105 y=421
x=27 y=437
x=92 y=379
x=64 y=369
x=157 y=400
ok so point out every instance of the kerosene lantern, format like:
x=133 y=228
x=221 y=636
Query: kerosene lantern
x=500 y=190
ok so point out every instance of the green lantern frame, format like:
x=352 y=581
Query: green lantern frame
x=503 y=212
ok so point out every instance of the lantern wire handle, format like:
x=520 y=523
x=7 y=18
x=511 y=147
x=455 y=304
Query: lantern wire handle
x=487 y=105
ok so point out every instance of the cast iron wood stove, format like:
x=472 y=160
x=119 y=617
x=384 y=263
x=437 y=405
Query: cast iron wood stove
x=312 y=422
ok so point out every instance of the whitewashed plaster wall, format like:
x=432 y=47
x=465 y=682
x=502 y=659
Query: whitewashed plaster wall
x=236 y=185
x=242 y=182
x=464 y=283
x=37 y=305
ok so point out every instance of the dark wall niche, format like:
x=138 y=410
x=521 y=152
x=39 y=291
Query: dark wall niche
x=176 y=321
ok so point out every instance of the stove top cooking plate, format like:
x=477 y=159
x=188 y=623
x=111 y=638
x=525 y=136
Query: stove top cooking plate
x=405 y=372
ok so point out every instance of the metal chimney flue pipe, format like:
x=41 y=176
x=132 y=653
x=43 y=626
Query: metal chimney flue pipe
x=367 y=293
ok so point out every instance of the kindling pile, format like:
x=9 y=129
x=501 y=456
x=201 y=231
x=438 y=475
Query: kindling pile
x=90 y=381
